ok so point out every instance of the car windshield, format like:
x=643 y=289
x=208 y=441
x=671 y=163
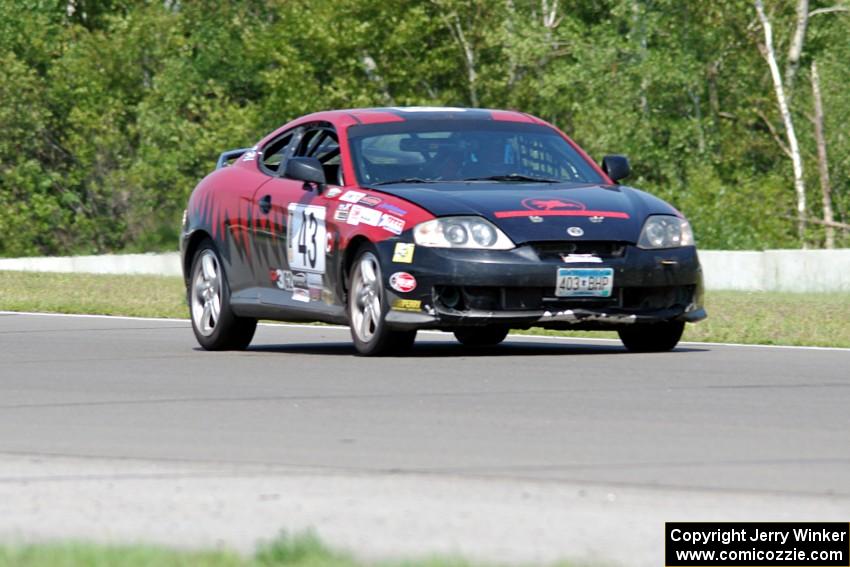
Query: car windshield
x=428 y=151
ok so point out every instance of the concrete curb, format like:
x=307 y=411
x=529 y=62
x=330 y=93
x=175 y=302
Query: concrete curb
x=777 y=270
x=167 y=264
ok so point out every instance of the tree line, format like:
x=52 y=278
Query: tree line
x=112 y=110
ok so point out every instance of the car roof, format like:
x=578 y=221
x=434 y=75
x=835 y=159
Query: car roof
x=419 y=113
x=415 y=113
x=344 y=118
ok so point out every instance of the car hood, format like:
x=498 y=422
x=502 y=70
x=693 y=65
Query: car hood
x=529 y=212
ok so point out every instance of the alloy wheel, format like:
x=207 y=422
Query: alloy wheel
x=366 y=305
x=206 y=293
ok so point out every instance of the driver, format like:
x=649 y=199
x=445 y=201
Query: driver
x=449 y=162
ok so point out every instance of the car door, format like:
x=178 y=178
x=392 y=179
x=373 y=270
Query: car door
x=269 y=208
x=296 y=239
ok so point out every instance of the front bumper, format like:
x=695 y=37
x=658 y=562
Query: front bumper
x=516 y=288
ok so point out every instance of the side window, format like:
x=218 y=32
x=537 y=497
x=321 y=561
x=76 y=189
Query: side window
x=276 y=152
x=327 y=150
x=323 y=144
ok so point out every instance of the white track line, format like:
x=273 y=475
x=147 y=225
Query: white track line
x=341 y=328
x=81 y=316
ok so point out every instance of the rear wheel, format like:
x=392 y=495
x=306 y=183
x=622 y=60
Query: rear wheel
x=367 y=310
x=215 y=325
x=655 y=337
x=482 y=336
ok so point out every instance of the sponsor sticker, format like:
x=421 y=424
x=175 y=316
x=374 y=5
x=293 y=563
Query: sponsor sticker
x=391 y=223
x=352 y=196
x=370 y=200
x=403 y=252
x=282 y=279
x=364 y=215
x=342 y=211
x=580 y=259
x=402 y=282
x=393 y=209
x=407 y=305
x=333 y=192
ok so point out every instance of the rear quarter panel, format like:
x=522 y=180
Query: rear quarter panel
x=220 y=207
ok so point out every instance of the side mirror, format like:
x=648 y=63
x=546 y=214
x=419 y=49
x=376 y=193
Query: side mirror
x=616 y=167
x=307 y=169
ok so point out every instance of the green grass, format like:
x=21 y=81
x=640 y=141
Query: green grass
x=814 y=319
x=770 y=318
x=303 y=550
x=136 y=296
x=88 y=555
x=817 y=319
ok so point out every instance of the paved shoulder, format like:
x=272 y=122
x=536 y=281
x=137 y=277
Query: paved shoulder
x=704 y=417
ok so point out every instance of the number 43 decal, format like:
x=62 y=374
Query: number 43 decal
x=305 y=238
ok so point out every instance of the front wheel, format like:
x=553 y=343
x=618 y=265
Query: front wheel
x=367 y=310
x=215 y=325
x=652 y=337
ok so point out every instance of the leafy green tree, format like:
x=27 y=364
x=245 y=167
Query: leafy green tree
x=112 y=110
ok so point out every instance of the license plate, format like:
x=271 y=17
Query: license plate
x=584 y=282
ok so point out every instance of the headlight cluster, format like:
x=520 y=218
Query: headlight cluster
x=665 y=231
x=461 y=232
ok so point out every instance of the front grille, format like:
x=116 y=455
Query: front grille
x=602 y=249
x=491 y=298
x=486 y=298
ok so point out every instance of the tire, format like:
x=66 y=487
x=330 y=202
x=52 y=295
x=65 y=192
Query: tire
x=215 y=325
x=367 y=309
x=655 y=337
x=482 y=336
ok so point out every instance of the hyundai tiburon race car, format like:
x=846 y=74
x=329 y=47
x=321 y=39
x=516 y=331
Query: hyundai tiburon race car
x=391 y=220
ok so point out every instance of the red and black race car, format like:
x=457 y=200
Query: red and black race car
x=473 y=221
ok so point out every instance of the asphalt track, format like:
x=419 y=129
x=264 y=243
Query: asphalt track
x=715 y=419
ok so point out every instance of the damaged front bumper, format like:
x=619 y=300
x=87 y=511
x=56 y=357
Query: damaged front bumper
x=597 y=319
x=516 y=288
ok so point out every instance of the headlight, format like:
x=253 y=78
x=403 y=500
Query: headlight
x=665 y=231
x=461 y=232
